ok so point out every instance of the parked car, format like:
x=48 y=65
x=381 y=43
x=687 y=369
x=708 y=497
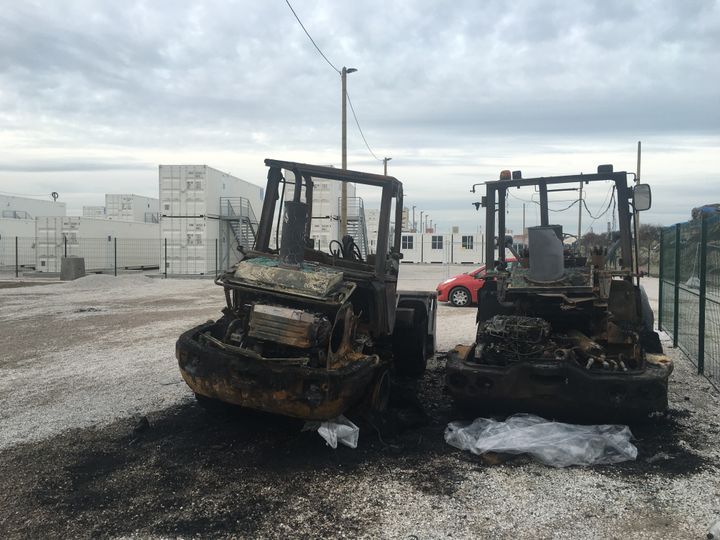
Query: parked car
x=462 y=290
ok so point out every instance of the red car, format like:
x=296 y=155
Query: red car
x=462 y=290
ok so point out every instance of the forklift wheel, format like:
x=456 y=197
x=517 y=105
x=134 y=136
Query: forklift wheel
x=410 y=350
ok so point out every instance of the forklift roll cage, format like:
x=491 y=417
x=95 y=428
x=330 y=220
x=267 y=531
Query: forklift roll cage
x=496 y=194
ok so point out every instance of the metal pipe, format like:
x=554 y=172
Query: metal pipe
x=676 y=280
x=702 y=294
x=490 y=229
x=544 y=220
x=502 y=193
x=343 y=196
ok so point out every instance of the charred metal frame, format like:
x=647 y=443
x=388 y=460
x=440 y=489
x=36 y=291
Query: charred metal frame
x=497 y=192
x=391 y=188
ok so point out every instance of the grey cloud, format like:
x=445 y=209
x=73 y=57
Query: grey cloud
x=449 y=87
x=73 y=166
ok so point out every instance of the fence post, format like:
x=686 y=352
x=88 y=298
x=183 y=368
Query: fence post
x=216 y=257
x=660 y=279
x=17 y=263
x=115 y=253
x=676 y=286
x=701 y=304
x=65 y=244
x=166 y=264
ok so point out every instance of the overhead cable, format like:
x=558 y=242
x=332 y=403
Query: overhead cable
x=310 y=37
x=352 y=109
x=357 y=122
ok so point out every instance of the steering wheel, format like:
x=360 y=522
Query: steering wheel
x=337 y=252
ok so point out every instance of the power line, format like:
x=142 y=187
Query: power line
x=310 y=37
x=339 y=73
x=352 y=109
x=610 y=192
x=606 y=209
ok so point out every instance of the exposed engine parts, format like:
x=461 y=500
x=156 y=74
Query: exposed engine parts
x=504 y=339
x=304 y=332
x=562 y=331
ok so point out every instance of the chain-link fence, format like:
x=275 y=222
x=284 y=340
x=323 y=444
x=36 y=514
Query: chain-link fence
x=690 y=291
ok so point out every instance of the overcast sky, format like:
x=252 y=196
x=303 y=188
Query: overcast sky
x=94 y=95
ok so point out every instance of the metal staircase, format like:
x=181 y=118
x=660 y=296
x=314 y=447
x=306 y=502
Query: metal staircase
x=357 y=226
x=238 y=228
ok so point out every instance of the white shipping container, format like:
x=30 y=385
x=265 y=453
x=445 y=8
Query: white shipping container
x=461 y=248
x=94 y=211
x=27 y=208
x=24 y=231
x=94 y=239
x=129 y=207
x=189 y=209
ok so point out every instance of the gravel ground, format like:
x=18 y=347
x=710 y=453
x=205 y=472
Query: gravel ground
x=83 y=362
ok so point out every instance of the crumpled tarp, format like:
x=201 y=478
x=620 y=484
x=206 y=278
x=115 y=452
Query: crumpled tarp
x=552 y=443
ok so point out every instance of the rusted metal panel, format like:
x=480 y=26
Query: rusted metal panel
x=297 y=391
x=289 y=326
x=559 y=389
x=307 y=279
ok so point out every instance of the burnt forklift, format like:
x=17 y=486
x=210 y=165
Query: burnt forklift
x=308 y=333
x=562 y=335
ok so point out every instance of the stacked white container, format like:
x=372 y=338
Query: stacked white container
x=94 y=211
x=131 y=207
x=189 y=214
x=93 y=239
x=25 y=207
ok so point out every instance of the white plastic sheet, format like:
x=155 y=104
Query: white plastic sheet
x=339 y=429
x=552 y=443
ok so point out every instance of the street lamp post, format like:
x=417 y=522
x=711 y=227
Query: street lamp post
x=343 y=196
x=385 y=160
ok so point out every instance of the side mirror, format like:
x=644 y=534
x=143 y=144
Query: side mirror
x=642 y=197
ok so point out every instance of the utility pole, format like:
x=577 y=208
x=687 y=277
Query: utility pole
x=580 y=209
x=637 y=181
x=385 y=160
x=637 y=222
x=421 y=222
x=343 y=195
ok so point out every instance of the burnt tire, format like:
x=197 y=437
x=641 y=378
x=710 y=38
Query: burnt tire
x=460 y=297
x=410 y=350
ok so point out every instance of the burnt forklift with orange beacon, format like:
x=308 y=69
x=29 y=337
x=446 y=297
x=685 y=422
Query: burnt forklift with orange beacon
x=563 y=335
